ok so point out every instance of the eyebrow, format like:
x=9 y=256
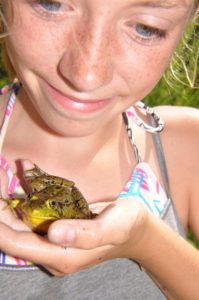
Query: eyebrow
x=162 y=4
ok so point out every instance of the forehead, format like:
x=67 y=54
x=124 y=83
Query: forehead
x=162 y=3
x=142 y=2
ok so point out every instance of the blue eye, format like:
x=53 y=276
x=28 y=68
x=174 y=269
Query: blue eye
x=52 y=9
x=145 y=34
x=49 y=5
x=149 y=32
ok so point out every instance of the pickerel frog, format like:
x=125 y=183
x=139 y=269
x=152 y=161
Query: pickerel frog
x=51 y=198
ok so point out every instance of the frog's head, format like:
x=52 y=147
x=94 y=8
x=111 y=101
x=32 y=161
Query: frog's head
x=39 y=214
x=33 y=173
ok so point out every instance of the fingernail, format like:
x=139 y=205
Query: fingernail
x=63 y=234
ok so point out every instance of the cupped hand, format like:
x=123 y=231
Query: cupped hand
x=116 y=232
x=72 y=245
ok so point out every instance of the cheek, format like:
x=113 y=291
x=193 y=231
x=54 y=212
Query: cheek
x=34 y=48
x=151 y=64
x=23 y=50
x=143 y=67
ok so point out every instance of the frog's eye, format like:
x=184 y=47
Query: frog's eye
x=52 y=203
x=57 y=187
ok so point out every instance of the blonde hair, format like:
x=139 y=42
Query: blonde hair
x=6 y=64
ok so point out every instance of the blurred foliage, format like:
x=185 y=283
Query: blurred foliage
x=3 y=82
x=3 y=76
x=191 y=238
x=180 y=84
x=163 y=93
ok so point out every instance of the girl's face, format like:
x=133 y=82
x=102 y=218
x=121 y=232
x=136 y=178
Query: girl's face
x=83 y=62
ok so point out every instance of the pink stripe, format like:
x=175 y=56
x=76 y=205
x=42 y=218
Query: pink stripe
x=21 y=262
x=13 y=184
x=145 y=187
x=141 y=171
x=4 y=90
x=157 y=187
x=4 y=164
x=2 y=159
x=144 y=183
x=130 y=113
x=134 y=116
x=8 y=112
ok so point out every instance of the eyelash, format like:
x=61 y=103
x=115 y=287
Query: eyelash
x=152 y=34
x=51 y=8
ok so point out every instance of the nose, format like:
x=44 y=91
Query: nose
x=86 y=64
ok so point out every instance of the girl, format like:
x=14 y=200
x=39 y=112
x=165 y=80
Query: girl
x=74 y=110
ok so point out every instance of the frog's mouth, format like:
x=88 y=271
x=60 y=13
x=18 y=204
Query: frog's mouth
x=39 y=224
x=42 y=228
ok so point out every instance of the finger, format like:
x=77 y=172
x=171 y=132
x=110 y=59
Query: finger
x=8 y=217
x=4 y=184
x=111 y=227
x=98 y=207
x=27 y=164
x=57 y=260
x=31 y=247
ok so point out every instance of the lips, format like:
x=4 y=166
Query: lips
x=75 y=104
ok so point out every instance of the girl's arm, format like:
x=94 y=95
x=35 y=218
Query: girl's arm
x=171 y=261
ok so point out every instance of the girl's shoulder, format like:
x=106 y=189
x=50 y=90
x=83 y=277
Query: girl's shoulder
x=178 y=114
x=180 y=140
x=181 y=125
x=181 y=132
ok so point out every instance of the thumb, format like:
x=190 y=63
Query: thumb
x=111 y=227
x=4 y=184
x=84 y=234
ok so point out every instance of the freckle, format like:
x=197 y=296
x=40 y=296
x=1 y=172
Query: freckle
x=64 y=247
x=100 y=258
x=84 y=229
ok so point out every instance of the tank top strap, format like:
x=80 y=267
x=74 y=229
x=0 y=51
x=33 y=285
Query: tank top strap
x=143 y=184
x=13 y=182
x=129 y=119
x=8 y=112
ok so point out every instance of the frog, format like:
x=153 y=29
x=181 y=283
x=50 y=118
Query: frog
x=49 y=198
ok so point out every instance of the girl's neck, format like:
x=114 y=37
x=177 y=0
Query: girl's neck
x=31 y=135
